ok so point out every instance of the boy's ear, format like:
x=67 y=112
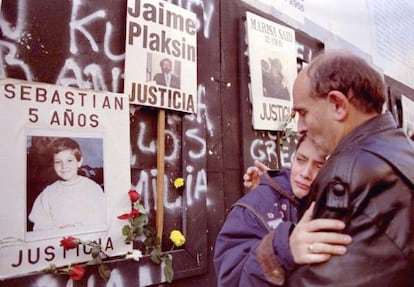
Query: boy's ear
x=339 y=103
x=80 y=162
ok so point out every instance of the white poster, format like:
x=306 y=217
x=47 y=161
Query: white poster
x=408 y=116
x=392 y=22
x=65 y=171
x=272 y=62
x=161 y=56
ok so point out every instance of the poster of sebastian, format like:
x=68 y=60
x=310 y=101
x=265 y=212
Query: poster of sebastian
x=65 y=171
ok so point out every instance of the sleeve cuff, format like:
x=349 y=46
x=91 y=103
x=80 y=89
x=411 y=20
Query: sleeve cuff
x=281 y=246
x=268 y=262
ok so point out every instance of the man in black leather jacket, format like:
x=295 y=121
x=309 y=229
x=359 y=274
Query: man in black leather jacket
x=368 y=180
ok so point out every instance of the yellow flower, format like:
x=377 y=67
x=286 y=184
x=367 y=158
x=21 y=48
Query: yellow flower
x=177 y=238
x=179 y=182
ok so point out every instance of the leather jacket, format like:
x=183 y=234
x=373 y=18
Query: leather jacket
x=368 y=181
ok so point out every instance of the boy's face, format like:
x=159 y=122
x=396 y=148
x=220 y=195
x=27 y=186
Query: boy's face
x=305 y=167
x=66 y=165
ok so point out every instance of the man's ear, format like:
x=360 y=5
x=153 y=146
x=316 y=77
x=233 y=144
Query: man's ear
x=339 y=104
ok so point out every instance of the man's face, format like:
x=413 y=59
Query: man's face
x=314 y=114
x=166 y=66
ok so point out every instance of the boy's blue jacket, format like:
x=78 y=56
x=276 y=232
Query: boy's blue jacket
x=252 y=248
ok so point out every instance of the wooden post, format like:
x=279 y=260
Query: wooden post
x=160 y=172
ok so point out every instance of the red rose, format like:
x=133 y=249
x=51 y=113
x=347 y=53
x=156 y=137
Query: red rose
x=134 y=213
x=69 y=242
x=124 y=216
x=133 y=195
x=76 y=272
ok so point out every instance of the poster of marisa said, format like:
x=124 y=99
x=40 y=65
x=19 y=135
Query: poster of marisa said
x=272 y=64
x=64 y=172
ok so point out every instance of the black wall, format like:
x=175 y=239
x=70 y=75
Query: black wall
x=212 y=148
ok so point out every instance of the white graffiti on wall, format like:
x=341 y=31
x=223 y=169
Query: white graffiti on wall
x=201 y=153
x=150 y=147
x=196 y=180
x=287 y=151
x=72 y=73
x=8 y=49
x=195 y=185
x=202 y=110
x=79 y=25
x=265 y=150
x=208 y=10
x=71 y=66
x=11 y=58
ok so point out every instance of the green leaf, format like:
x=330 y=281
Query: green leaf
x=168 y=269
x=156 y=256
x=140 y=220
x=96 y=250
x=289 y=132
x=140 y=208
x=138 y=231
x=129 y=239
x=104 y=272
x=126 y=230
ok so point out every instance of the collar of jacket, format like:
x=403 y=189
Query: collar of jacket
x=377 y=124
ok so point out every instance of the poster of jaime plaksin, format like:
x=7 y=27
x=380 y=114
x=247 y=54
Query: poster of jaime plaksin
x=64 y=174
x=64 y=171
x=161 y=56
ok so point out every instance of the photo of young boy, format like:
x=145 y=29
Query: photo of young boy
x=72 y=199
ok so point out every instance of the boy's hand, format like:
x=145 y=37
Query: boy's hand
x=252 y=175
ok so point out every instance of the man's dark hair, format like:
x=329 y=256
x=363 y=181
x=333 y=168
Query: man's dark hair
x=349 y=74
x=163 y=60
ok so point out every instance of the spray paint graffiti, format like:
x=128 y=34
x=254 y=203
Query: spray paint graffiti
x=91 y=34
x=264 y=150
x=87 y=51
x=195 y=185
x=207 y=11
x=146 y=146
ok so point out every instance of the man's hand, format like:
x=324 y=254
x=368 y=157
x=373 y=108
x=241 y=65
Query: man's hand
x=314 y=241
x=251 y=177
